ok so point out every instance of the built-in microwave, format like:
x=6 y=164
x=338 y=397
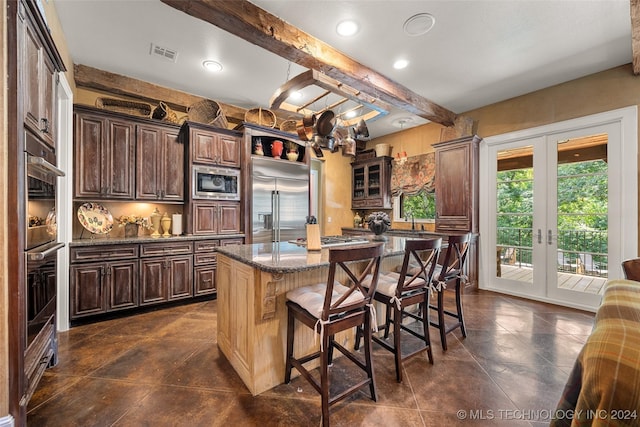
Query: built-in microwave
x=213 y=183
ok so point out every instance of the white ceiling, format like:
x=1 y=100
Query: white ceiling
x=479 y=52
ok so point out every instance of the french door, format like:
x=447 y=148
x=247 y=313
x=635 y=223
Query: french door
x=559 y=209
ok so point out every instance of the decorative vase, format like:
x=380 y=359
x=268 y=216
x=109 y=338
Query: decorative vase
x=166 y=225
x=155 y=222
x=276 y=149
x=378 y=228
x=131 y=230
x=258 y=151
x=292 y=155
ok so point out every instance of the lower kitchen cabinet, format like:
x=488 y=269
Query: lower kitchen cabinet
x=205 y=262
x=103 y=287
x=166 y=272
x=117 y=277
x=165 y=279
x=103 y=279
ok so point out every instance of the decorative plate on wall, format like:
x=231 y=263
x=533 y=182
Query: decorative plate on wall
x=95 y=218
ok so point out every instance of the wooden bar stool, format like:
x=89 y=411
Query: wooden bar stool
x=451 y=271
x=329 y=308
x=409 y=287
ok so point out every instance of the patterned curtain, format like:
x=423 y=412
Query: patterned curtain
x=415 y=175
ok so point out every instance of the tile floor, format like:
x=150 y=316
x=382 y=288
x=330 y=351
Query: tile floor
x=163 y=368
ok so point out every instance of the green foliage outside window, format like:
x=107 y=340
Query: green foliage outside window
x=418 y=206
x=582 y=207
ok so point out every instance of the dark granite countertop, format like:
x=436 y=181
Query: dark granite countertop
x=286 y=257
x=100 y=240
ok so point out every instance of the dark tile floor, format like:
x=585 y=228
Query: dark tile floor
x=163 y=368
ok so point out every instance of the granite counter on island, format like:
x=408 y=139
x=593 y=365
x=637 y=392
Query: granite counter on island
x=252 y=314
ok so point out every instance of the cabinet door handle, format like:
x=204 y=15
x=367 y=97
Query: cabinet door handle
x=44 y=125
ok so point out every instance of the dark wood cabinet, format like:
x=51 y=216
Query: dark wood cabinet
x=103 y=279
x=31 y=66
x=215 y=217
x=212 y=146
x=39 y=79
x=371 y=183
x=104 y=152
x=457 y=185
x=159 y=164
x=205 y=262
x=166 y=272
x=120 y=157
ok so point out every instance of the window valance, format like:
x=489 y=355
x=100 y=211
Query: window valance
x=416 y=174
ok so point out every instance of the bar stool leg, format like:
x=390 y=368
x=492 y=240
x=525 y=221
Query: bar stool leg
x=397 y=326
x=459 y=307
x=324 y=379
x=290 y=331
x=425 y=326
x=441 y=324
x=367 y=356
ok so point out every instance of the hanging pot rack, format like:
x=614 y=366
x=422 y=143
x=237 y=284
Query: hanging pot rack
x=375 y=108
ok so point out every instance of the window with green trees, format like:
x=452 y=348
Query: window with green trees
x=421 y=206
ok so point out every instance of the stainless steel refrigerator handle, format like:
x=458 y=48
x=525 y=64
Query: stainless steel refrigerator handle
x=277 y=215
x=273 y=216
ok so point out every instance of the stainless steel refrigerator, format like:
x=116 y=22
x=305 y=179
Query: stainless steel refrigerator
x=280 y=200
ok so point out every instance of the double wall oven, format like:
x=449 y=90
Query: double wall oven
x=41 y=246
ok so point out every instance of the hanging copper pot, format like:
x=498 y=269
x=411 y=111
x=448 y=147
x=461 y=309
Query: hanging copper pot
x=305 y=127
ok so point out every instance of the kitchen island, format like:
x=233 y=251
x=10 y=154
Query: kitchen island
x=252 y=313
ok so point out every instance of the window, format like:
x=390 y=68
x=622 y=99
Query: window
x=420 y=207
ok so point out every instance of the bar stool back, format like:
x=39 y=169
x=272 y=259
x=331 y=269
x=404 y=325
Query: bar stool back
x=408 y=287
x=452 y=270
x=329 y=308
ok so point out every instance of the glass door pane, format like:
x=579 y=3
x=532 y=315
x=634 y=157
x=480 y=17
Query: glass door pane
x=582 y=213
x=514 y=214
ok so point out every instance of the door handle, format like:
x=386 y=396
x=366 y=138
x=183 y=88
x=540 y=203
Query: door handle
x=539 y=235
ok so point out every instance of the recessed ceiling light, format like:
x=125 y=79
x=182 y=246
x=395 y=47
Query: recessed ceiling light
x=296 y=94
x=419 y=24
x=400 y=64
x=347 y=28
x=212 y=66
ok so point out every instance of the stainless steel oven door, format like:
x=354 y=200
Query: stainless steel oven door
x=41 y=177
x=41 y=287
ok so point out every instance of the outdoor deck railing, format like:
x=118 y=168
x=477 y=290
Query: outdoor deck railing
x=583 y=252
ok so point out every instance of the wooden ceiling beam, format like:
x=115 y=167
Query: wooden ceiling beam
x=104 y=81
x=259 y=27
x=635 y=35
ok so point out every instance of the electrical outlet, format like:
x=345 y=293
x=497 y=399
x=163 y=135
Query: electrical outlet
x=328 y=219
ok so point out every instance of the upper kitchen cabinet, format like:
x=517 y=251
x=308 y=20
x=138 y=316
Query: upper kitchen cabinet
x=211 y=146
x=103 y=156
x=371 y=183
x=159 y=164
x=457 y=185
x=38 y=65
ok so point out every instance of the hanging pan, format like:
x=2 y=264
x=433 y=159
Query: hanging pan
x=305 y=127
x=326 y=123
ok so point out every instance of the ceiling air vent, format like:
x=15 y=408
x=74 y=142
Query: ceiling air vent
x=164 y=53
